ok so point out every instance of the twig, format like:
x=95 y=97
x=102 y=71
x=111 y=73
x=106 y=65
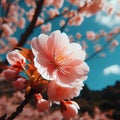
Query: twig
x=103 y=47
x=19 y=109
x=30 y=28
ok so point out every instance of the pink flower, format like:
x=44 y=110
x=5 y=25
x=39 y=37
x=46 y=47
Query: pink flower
x=76 y=20
x=90 y=35
x=48 y=2
x=57 y=58
x=10 y=74
x=6 y=29
x=46 y=28
x=53 y=12
x=39 y=21
x=20 y=83
x=58 y=3
x=58 y=91
x=16 y=59
x=42 y=104
x=69 y=109
x=21 y=23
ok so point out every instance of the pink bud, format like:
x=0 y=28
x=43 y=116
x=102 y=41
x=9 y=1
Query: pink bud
x=43 y=105
x=10 y=74
x=20 y=83
x=69 y=109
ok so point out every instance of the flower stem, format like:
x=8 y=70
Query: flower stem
x=19 y=109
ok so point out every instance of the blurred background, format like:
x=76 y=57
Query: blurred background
x=94 y=24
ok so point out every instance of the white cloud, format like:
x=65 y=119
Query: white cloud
x=109 y=20
x=113 y=69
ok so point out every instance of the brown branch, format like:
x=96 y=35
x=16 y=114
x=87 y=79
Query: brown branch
x=57 y=16
x=30 y=28
x=103 y=47
x=19 y=109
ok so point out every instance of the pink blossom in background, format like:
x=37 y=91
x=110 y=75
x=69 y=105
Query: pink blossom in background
x=15 y=58
x=53 y=12
x=116 y=30
x=75 y=2
x=12 y=42
x=97 y=47
x=76 y=20
x=58 y=59
x=70 y=14
x=62 y=22
x=103 y=33
x=78 y=35
x=48 y=2
x=30 y=3
x=93 y=7
x=30 y=14
x=4 y=50
x=21 y=23
x=6 y=29
x=84 y=45
x=58 y=3
x=69 y=109
x=2 y=43
x=114 y=43
x=39 y=21
x=46 y=28
x=90 y=35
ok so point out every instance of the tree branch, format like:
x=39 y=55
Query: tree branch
x=19 y=109
x=103 y=47
x=30 y=28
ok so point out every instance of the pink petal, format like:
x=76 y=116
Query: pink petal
x=39 y=44
x=57 y=91
x=47 y=72
x=15 y=56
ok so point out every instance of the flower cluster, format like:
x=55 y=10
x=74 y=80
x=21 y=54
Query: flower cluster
x=53 y=66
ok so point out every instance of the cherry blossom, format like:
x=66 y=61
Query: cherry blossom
x=39 y=21
x=7 y=30
x=58 y=3
x=58 y=91
x=53 y=12
x=10 y=74
x=90 y=35
x=21 y=23
x=76 y=20
x=16 y=59
x=42 y=104
x=20 y=83
x=46 y=28
x=48 y=2
x=61 y=60
x=69 y=109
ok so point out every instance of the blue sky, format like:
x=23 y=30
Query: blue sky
x=103 y=71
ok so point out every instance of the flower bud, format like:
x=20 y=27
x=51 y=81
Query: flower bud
x=42 y=104
x=69 y=109
x=10 y=74
x=20 y=83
